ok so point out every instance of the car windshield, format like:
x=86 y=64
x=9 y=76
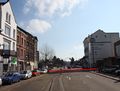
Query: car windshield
x=9 y=74
x=23 y=72
x=34 y=71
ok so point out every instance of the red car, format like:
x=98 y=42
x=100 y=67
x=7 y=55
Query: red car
x=35 y=72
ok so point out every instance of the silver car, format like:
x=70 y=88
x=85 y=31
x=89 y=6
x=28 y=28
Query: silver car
x=26 y=74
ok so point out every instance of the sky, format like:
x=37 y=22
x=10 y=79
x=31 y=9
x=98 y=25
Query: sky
x=64 y=24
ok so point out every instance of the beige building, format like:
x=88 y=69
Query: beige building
x=99 y=45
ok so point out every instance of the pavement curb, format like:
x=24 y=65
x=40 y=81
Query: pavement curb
x=103 y=75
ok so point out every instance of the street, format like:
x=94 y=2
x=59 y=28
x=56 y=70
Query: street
x=76 y=81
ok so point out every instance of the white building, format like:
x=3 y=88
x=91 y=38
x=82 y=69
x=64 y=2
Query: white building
x=8 y=33
x=99 y=45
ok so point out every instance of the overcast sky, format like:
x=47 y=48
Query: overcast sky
x=63 y=24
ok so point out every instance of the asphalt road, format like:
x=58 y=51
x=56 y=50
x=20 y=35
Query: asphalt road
x=76 y=81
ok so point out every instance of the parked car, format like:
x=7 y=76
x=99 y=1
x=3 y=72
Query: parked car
x=26 y=74
x=43 y=71
x=109 y=70
x=117 y=72
x=35 y=72
x=0 y=81
x=10 y=78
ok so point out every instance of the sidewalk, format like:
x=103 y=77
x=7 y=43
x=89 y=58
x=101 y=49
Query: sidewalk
x=107 y=76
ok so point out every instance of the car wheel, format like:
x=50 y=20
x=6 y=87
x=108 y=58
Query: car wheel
x=11 y=82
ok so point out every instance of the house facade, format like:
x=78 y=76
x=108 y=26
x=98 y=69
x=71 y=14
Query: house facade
x=21 y=48
x=117 y=49
x=8 y=57
x=27 y=54
x=99 y=45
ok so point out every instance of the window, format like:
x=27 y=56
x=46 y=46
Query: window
x=18 y=52
x=18 y=38
x=22 y=41
x=105 y=36
x=8 y=18
x=14 y=33
x=14 y=46
x=21 y=53
x=6 y=44
x=7 y=30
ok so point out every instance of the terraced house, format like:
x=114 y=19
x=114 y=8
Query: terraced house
x=7 y=38
x=18 y=48
x=27 y=53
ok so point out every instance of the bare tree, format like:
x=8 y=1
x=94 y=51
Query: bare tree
x=47 y=53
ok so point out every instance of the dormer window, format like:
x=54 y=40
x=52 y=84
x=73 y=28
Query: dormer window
x=8 y=17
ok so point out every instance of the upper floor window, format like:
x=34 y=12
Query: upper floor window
x=14 y=33
x=14 y=46
x=8 y=17
x=18 y=40
x=7 y=30
x=7 y=44
x=21 y=41
x=105 y=36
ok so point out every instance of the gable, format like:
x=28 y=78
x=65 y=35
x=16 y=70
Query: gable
x=7 y=8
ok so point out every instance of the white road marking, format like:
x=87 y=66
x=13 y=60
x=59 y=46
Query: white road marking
x=88 y=76
x=84 y=82
x=61 y=84
x=69 y=78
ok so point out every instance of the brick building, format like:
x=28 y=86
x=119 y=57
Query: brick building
x=21 y=48
x=26 y=50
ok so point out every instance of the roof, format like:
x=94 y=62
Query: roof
x=3 y=3
x=27 y=33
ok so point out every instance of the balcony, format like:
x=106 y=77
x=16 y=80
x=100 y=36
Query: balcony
x=8 y=53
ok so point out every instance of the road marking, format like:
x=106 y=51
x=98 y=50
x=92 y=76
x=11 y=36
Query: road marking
x=66 y=76
x=90 y=89
x=84 y=82
x=88 y=76
x=69 y=78
x=61 y=84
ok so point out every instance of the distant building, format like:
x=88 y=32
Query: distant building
x=117 y=49
x=7 y=38
x=99 y=45
x=27 y=50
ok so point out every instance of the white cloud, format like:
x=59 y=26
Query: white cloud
x=79 y=47
x=38 y=26
x=52 y=7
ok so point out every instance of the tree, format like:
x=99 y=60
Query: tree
x=57 y=62
x=47 y=53
x=72 y=61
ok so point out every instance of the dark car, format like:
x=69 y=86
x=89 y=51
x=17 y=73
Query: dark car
x=10 y=78
x=117 y=72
